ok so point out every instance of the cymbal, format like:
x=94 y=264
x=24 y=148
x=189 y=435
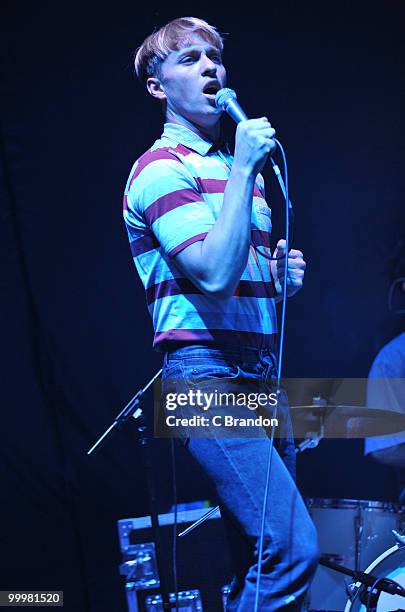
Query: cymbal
x=345 y=421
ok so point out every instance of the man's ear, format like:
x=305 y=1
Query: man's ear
x=155 y=88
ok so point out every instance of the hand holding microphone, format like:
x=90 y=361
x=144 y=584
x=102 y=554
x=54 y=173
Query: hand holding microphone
x=253 y=143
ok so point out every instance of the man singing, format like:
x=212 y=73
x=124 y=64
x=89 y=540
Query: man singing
x=198 y=224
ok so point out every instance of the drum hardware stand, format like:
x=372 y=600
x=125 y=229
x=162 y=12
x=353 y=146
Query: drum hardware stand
x=368 y=597
x=313 y=437
x=359 y=526
x=202 y=519
x=133 y=409
x=399 y=537
x=312 y=440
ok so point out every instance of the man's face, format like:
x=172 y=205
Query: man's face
x=190 y=78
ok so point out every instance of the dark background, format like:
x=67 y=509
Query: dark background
x=75 y=332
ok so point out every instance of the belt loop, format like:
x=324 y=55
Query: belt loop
x=266 y=357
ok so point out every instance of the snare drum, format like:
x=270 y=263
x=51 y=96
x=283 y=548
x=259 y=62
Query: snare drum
x=352 y=533
x=391 y=564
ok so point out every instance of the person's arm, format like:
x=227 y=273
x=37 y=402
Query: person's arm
x=386 y=391
x=215 y=264
x=393 y=455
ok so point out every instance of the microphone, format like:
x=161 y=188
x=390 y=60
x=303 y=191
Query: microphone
x=225 y=100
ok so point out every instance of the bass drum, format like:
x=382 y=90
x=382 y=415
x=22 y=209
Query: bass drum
x=351 y=532
x=391 y=564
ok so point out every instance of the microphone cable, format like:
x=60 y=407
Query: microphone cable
x=288 y=219
x=175 y=521
x=289 y=222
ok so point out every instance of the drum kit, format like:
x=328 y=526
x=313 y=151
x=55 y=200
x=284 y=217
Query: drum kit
x=362 y=566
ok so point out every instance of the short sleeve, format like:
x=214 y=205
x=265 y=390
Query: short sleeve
x=385 y=390
x=165 y=194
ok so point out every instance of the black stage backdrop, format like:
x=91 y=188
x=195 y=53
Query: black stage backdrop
x=76 y=336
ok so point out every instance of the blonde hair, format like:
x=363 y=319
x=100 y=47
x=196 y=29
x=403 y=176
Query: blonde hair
x=175 y=34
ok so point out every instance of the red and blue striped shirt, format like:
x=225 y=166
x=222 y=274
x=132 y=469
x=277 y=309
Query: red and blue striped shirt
x=172 y=198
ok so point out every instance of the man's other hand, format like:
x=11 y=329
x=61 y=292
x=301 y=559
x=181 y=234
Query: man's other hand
x=295 y=273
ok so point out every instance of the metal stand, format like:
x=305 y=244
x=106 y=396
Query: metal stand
x=146 y=453
x=372 y=586
x=133 y=409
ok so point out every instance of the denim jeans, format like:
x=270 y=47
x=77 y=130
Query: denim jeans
x=237 y=468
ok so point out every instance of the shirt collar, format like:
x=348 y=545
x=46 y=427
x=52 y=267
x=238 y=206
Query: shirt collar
x=192 y=140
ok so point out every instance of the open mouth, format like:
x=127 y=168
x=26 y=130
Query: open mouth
x=210 y=89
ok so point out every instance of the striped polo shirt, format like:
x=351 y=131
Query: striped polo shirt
x=173 y=197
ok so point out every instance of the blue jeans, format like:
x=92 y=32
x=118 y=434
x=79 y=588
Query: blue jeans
x=237 y=468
